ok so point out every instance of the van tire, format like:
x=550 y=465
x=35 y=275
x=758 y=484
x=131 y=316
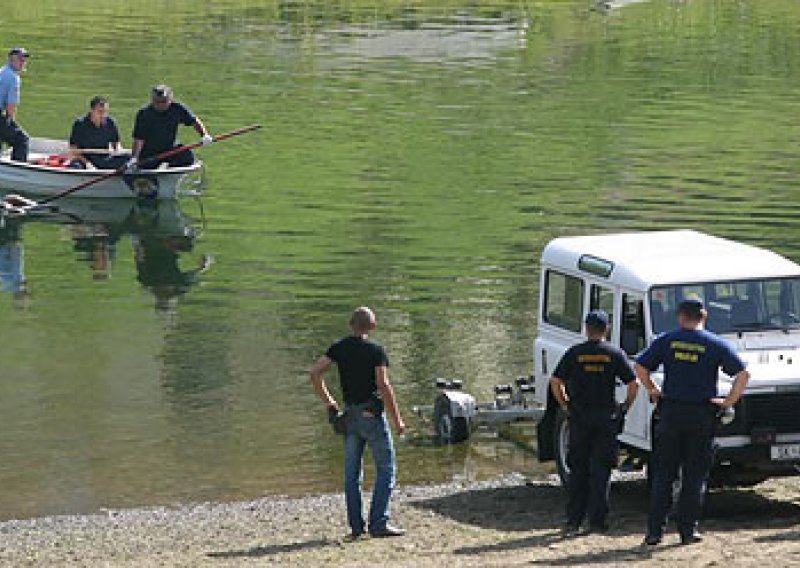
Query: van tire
x=561 y=446
x=449 y=429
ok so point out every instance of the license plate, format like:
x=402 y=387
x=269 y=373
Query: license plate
x=785 y=452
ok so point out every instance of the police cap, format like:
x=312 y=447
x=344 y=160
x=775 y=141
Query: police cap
x=597 y=319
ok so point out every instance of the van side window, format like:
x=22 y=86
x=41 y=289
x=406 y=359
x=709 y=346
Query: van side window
x=563 y=301
x=601 y=298
x=632 y=338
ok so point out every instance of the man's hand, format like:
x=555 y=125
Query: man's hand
x=655 y=395
x=132 y=163
x=723 y=403
x=207 y=139
x=400 y=427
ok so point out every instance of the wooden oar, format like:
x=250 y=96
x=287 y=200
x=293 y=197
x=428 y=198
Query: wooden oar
x=121 y=170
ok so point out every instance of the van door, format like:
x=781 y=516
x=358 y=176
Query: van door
x=633 y=341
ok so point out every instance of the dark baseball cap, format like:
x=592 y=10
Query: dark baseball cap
x=19 y=51
x=597 y=319
x=693 y=307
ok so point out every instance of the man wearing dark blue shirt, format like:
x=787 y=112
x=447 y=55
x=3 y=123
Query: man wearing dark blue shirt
x=584 y=384
x=156 y=130
x=96 y=130
x=688 y=403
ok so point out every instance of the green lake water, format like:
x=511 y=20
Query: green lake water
x=415 y=157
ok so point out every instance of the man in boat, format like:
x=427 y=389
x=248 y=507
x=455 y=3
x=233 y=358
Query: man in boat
x=584 y=384
x=363 y=373
x=10 y=83
x=96 y=130
x=156 y=129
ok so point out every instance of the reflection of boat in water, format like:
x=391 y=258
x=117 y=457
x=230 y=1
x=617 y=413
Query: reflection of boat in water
x=45 y=180
x=160 y=234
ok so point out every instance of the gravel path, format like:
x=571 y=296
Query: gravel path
x=502 y=522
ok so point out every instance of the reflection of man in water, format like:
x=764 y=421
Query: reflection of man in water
x=98 y=245
x=12 y=261
x=158 y=267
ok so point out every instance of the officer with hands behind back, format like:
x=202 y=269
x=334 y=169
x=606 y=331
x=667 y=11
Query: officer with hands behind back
x=584 y=384
x=688 y=404
x=364 y=375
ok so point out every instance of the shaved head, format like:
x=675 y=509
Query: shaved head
x=362 y=320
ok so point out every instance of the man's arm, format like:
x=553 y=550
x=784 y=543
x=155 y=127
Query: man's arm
x=739 y=385
x=559 y=391
x=633 y=388
x=643 y=374
x=136 y=150
x=11 y=110
x=318 y=380
x=200 y=128
x=387 y=395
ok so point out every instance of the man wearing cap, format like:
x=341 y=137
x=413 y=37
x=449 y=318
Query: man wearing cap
x=363 y=373
x=688 y=403
x=10 y=84
x=156 y=130
x=584 y=384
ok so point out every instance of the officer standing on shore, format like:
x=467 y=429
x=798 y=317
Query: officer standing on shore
x=10 y=86
x=688 y=403
x=363 y=372
x=584 y=384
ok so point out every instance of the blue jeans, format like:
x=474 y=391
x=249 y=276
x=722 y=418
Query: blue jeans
x=363 y=429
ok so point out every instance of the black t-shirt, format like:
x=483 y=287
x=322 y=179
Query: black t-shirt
x=357 y=359
x=589 y=371
x=159 y=130
x=86 y=135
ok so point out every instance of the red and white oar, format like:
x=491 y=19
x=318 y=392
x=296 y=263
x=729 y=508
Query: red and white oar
x=16 y=205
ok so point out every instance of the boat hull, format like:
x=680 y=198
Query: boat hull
x=46 y=181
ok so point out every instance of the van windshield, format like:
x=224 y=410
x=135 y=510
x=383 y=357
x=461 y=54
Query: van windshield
x=739 y=306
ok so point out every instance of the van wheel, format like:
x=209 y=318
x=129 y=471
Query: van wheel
x=449 y=429
x=561 y=446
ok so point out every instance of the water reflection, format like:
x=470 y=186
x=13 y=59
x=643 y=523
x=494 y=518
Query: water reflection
x=161 y=235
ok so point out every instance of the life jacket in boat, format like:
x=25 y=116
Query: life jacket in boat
x=54 y=161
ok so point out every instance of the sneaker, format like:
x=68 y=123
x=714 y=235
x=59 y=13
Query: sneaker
x=691 y=538
x=387 y=531
x=652 y=540
x=570 y=529
x=598 y=528
x=353 y=536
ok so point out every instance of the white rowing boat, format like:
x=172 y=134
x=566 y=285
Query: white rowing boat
x=44 y=180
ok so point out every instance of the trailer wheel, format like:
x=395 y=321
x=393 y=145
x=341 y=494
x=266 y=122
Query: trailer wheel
x=561 y=446
x=449 y=429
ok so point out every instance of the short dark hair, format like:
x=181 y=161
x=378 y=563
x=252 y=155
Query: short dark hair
x=97 y=101
x=693 y=308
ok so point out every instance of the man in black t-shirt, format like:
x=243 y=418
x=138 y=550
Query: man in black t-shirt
x=96 y=130
x=156 y=130
x=584 y=384
x=363 y=372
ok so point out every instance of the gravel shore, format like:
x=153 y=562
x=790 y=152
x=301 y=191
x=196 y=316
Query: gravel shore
x=503 y=522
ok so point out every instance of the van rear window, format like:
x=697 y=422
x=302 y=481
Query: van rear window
x=563 y=301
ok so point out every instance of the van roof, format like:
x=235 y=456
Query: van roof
x=642 y=260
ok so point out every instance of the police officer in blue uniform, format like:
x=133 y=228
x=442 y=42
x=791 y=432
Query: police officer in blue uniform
x=584 y=384
x=688 y=402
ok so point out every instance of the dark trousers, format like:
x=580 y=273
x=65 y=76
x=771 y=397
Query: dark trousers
x=182 y=159
x=14 y=136
x=683 y=441
x=592 y=455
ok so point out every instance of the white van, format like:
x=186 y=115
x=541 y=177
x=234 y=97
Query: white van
x=753 y=300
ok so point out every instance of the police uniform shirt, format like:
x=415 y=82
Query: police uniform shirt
x=589 y=371
x=357 y=359
x=159 y=130
x=691 y=359
x=86 y=135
